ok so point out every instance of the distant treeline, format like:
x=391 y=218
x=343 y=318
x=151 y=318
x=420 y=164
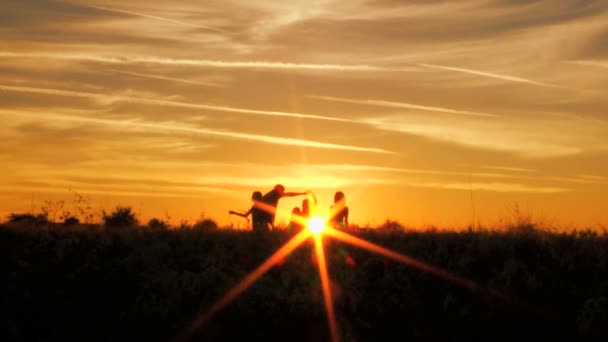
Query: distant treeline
x=68 y=282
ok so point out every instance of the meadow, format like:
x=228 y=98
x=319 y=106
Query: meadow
x=112 y=282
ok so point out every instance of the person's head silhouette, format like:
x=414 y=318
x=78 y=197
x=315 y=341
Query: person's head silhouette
x=280 y=189
x=256 y=196
x=339 y=197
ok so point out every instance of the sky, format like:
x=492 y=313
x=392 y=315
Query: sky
x=431 y=113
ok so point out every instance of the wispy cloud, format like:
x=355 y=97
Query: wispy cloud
x=195 y=62
x=154 y=17
x=503 y=77
x=105 y=98
x=593 y=63
x=162 y=127
x=172 y=79
x=519 y=136
x=521 y=174
x=376 y=168
x=502 y=168
x=295 y=181
x=391 y=104
x=592 y=177
x=94 y=189
x=496 y=187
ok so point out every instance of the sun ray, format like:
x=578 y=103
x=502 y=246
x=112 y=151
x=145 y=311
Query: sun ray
x=246 y=282
x=454 y=278
x=329 y=306
x=411 y=262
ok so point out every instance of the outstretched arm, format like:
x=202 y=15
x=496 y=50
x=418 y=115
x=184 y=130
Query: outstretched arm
x=293 y=194
x=240 y=214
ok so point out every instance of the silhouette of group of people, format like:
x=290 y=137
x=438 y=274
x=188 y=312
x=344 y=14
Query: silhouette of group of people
x=263 y=209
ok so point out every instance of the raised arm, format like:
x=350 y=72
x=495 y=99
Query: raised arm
x=312 y=194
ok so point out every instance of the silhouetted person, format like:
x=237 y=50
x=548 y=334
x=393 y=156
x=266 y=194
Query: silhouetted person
x=306 y=210
x=298 y=216
x=259 y=218
x=295 y=223
x=271 y=199
x=339 y=211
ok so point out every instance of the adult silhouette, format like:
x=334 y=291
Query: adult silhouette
x=339 y=211
x=259 y=222
x=270 y=201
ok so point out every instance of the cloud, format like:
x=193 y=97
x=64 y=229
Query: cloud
x=515 y=135
x=161 y=127
x=193 y=62
x=599 y=64
x=105 y=98
x=505 y=168
x=376 y=168
x=490 y=75
x=495 y=187
x=155 y=17
x=172 y=79
x=391 y=104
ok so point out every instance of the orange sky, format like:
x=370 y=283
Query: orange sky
x=427 y=112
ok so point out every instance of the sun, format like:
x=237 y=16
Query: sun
x=316 y=225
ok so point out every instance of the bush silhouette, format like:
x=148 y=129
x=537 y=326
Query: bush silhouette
x=120 y=217
x=28 y=219
x=155 y=223
x=71 y=221
x=391 y=226
x=205 y=225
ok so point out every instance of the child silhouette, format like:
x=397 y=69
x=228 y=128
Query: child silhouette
x=339 y=211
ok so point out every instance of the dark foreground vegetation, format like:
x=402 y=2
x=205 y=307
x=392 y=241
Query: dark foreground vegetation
x=77 y=282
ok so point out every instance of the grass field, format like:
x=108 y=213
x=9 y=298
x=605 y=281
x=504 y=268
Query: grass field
x=90 y=283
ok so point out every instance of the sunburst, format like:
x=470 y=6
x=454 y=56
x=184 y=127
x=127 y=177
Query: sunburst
x=317 y=229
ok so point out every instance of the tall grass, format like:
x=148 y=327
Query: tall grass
x=87 y=282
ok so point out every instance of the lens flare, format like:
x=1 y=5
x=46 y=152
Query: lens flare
x=325 y=283
x=316 y=225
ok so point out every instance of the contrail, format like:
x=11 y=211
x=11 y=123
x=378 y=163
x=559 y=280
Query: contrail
x=143 y=15
x=164 y=78
x=599 y=64
x=219 y=133
x=195 y=62
x=491 y=75
x=168 y=103
x=383 y=103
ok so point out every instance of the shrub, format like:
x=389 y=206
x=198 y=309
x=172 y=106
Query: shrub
x=120 y=217
x=71 y=221
x=158 y=224
x=391 y=226
x=28 y=219
x=205 y=225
